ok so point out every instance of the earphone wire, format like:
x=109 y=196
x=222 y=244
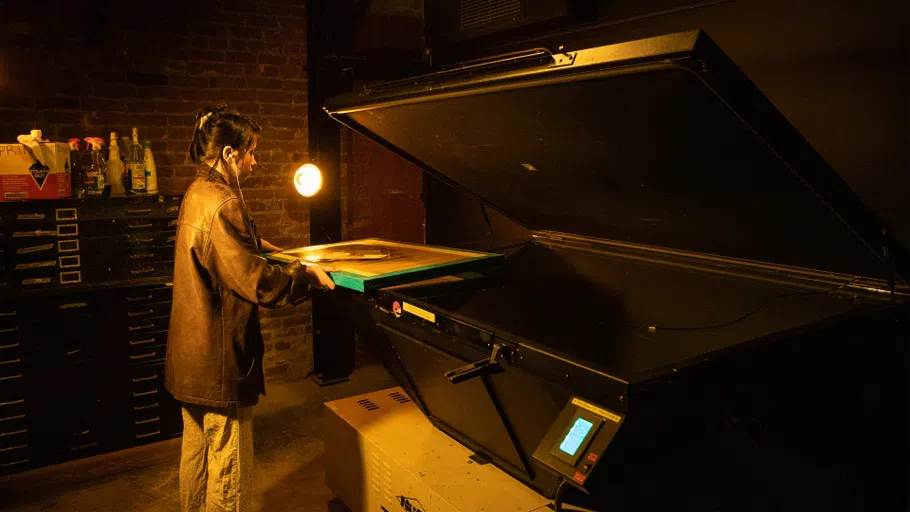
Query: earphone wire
x=247 y=221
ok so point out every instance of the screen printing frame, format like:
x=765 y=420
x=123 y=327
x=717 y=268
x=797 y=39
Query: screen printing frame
x=473 y=261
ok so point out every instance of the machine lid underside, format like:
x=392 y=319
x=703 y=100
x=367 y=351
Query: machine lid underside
x=656 y=152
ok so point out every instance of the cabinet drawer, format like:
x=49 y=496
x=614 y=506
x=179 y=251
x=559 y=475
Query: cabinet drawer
x=155 y=309
x=12 y=409
x=148 y=295
x=12 y=388
x=160 y=239
x=133 y=227
x=11 y=367
x=146 y=354
x=13 y=421
x=14 y=438
x=14 y=455
x=146 y=324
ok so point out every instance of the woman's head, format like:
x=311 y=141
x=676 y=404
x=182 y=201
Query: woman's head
x=225 y=138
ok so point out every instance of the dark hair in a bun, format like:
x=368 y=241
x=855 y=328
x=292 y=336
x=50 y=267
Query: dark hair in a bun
x=218 y=126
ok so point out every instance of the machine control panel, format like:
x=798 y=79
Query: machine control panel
x=577 y=440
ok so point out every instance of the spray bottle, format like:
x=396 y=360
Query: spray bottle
x=115 y=168
x=151 y=174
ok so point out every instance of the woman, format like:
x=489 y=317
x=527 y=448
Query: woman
x=214 y=347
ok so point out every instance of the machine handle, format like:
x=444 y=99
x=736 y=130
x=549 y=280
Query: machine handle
x=480 y=368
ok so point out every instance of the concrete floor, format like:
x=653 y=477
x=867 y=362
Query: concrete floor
x=289 y=467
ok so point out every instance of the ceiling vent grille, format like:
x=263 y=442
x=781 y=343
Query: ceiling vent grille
x=479 y=13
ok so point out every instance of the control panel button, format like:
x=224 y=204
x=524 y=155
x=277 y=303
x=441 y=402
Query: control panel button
x=580 y=478
x=592 y=457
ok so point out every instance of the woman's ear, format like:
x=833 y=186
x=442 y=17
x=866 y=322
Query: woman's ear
x=227 y=153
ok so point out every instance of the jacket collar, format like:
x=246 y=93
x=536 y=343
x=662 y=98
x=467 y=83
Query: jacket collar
x=211 y=174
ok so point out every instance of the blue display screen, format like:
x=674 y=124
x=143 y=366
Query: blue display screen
x=575 y=436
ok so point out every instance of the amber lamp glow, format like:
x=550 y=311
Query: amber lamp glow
x=308 y=180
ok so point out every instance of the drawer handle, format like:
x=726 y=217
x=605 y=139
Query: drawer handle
x=11 y=377
x=142 y=255
x=11 y=361
x=142 y=271
x=67 y=229
x=74 y=277
x=140 y=212
x=143 y=356
x=73 y=305
x=138 y=226
x=144 y=240
x=11 y=448
x=17 y=417
x=143 y=407
x=93 y=444
x=142 y=327
x=140 y=313
x=145 y=393
x=150 y=434
x=14 y=402
x=66 y=214
x=142 y=342
x=12 y=345
x=150 y=420
x=8 y=313
x=68 y=246
x=70 y=261
x=74 y=352
x=144 y=379
x=138 y=299
x=172 y=209
x=17 y=432
x=16 y=463
x=9 y=329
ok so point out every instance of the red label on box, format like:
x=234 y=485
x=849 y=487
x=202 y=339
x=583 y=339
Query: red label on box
x=21 y=179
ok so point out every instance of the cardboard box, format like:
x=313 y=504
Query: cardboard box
x=19 y=183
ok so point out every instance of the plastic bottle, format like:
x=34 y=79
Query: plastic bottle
x=94 y=175
x=115 y=168
x=125 y=156
x=136 y=166
x=151 y=174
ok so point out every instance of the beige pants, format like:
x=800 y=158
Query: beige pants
x=216 y=459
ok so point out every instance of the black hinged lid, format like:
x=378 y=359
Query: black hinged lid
x=661 y=141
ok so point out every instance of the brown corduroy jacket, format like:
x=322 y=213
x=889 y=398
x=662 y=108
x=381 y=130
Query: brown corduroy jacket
x=214 y=346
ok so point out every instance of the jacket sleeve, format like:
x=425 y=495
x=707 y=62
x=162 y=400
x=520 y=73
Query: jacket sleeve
x=235 y=263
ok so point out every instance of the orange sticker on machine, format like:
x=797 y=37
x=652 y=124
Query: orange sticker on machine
x=596 y=410
x=420 y=312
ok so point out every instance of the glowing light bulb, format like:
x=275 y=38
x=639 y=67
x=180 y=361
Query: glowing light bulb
x=308 y=180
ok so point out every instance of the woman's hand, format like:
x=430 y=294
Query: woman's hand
x=319 y=277
x=266 y=246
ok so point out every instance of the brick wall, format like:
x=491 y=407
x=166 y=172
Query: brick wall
x=150 y=64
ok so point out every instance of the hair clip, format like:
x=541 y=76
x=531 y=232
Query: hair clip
x=204 y=119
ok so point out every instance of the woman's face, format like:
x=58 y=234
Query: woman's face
x=243 y=167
